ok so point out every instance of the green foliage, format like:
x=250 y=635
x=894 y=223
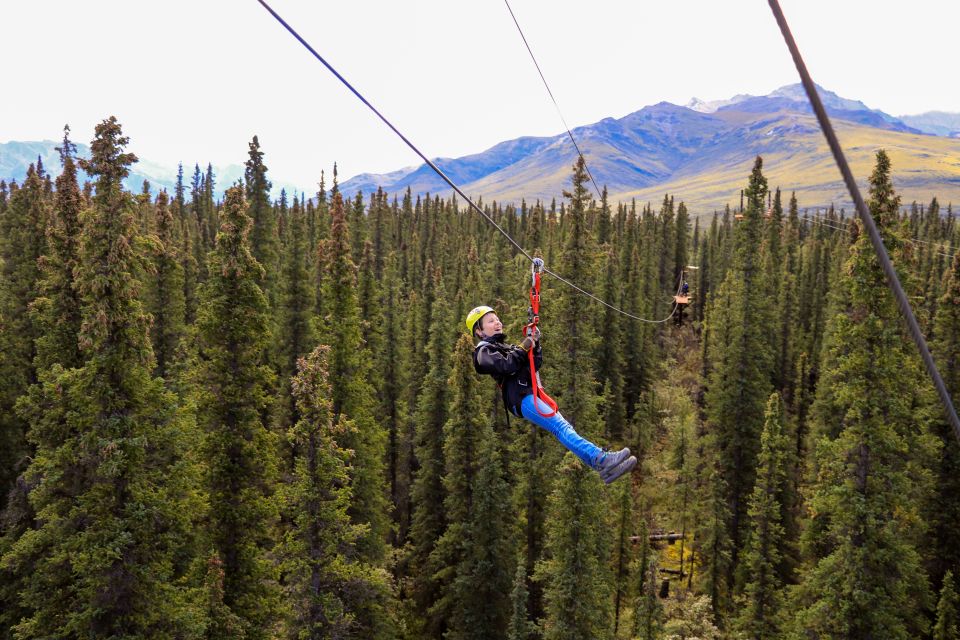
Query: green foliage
x=622 y=524
x=762 y=595
x=298 y=333
x=865 y=578
x=610 y=360
x=112 y=498
x=945 y=510
x=178 y=505
x=427 y=492
x=948 y=611
x=520 y=627
x=574 y=570
x=165 y=294
x=648 y=615
x=326 y=584
x=350 y=388
x=472 y=559
x=689 y=619
x=233 y=390
x=573 y=347
x=57 y=309
x=263 y=233
x=739 y=360
x=22 y=243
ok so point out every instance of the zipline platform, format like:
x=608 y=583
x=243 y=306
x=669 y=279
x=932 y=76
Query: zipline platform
x=681 y=299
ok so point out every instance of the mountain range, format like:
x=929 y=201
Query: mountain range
x=16 y=157
x=701 y=153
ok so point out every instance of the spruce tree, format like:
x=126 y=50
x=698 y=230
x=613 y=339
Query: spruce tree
x=575 y=571
x=948 y=611
x=740 y=364
x=193 y=267
x=325 y=581
x=209 y=206
x=636 y=351
x=945 y=511
x=680 y=246
x=393 y=409
x=351 y=391
x=667 y=247
x=264 y=236
x=520 y=627
x=647 y=609
x=759 y=615
x=430 y=511
x=622 y=524
x=298 y=333
x=472 y=557
x=111 y=496
x=179 y=201
x=58 y=308
x=234 y=387
x=56 y=313
x=570 y=374
x=22 y=243
x=165 y=295
x=610 y=360
x=711 y=542
x=869 y=484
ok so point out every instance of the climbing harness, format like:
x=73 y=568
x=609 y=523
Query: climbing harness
x=533 y=317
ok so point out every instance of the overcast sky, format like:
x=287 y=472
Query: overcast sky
x=195 y=80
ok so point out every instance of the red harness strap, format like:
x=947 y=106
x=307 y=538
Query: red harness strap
x=538 y=393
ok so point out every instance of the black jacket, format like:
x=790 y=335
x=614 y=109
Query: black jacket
x=510 y=367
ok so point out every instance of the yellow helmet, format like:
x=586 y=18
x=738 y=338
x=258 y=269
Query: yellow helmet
x=475 y=314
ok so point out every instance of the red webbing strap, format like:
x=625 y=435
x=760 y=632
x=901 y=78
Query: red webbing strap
x=538 y=393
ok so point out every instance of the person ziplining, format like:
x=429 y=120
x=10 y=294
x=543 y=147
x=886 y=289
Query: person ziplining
x=826 y=127
x=515 y=370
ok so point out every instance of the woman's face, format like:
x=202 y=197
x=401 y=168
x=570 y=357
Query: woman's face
x=490 y=324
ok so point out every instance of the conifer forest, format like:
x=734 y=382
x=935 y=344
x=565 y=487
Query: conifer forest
x=225 y=415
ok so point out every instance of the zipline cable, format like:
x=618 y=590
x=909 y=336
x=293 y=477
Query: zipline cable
x=610 y=306
x=892 y=280
x=555 y=104
x=946 y=246
x=390 y=124
x=821 y=222
x=442 y=175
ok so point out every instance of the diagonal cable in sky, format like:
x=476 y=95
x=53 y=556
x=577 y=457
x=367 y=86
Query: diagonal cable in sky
x=555 y=104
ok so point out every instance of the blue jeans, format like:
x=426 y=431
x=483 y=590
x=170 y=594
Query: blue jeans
x=561 y=429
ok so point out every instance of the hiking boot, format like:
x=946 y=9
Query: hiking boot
x=613 y=464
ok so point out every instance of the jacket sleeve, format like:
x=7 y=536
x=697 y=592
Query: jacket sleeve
x=537 y=356
x=492 y=361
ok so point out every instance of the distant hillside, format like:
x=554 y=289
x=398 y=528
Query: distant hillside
x=702 y=153
x=938 y=123
x=15 y=157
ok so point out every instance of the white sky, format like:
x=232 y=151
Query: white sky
x=193 y=81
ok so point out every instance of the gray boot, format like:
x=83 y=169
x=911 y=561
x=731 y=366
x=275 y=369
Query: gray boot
x=613 y=464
